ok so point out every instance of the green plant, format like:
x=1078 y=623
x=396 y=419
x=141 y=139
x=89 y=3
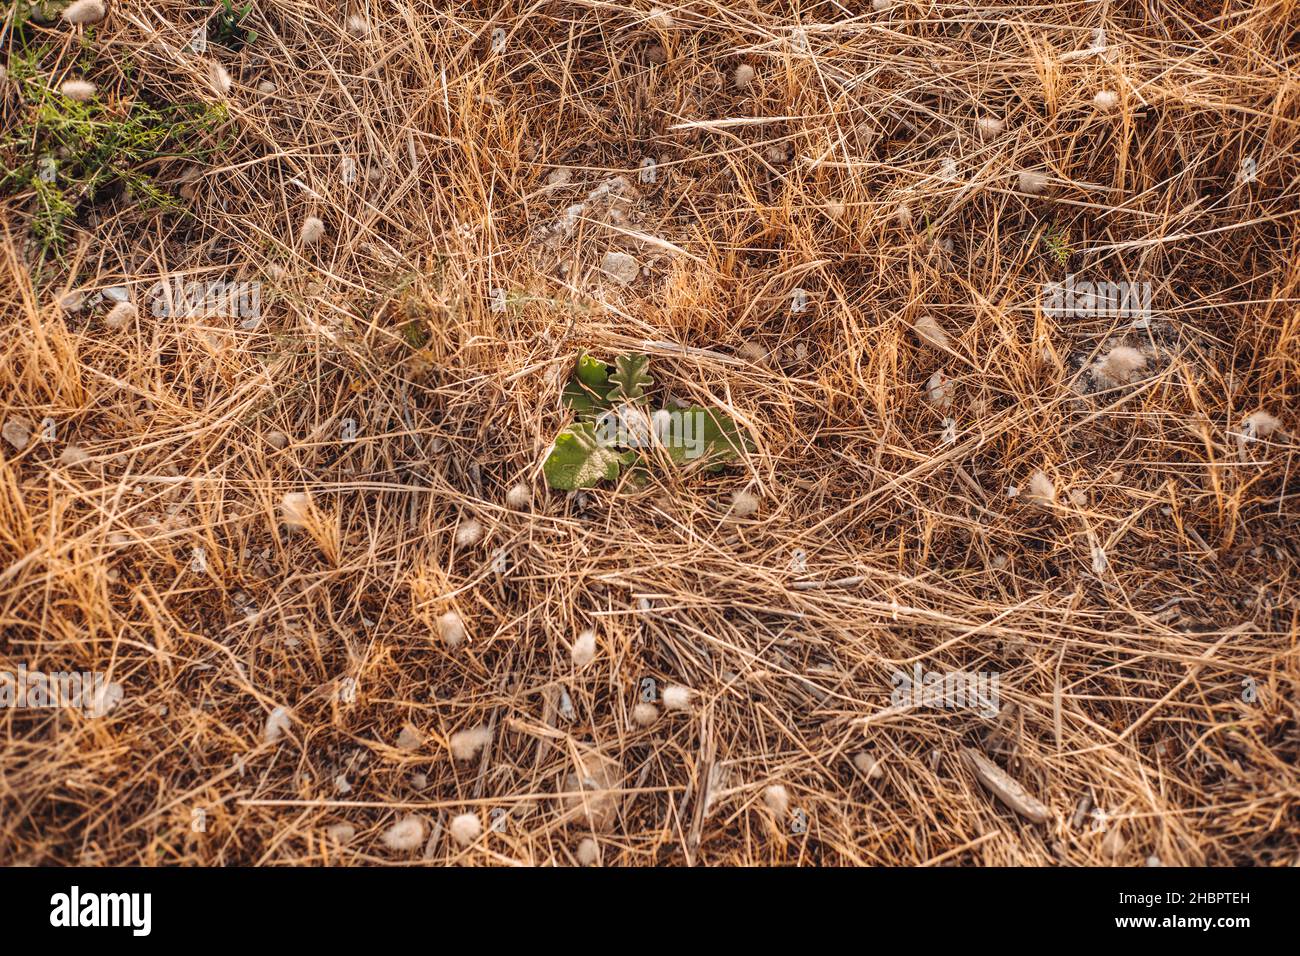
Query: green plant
x=614 y=428
x=65 y=154
x=227 y=26
x=1058 y=244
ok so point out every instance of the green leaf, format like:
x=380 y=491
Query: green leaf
x=590 y=372
x=586 y=392
x=704 y=438
x=631 y=379
x=578 y=460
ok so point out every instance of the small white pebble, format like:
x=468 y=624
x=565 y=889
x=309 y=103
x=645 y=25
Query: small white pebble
x=465 y=744
x=777 y=799
x=584 y=649
x=17 y=433
x=880 y=6
x=620 y=267
x=266 y=87
x=80 y=90
x=277 y=722
x=341 y=784
x=588 y=852
x=73 y=455
x=743 y=503
x=451 y=629
x=519 y=497
x=645 y=714
x=743 y=76
x=313 y=230
x=469 y=533
x=406 y=834
x=72 y=300
x=677 y=697
x=466 y=828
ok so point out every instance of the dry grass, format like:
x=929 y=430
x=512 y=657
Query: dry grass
x=1121 y=681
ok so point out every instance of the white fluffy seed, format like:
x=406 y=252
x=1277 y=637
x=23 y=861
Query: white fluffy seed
x=677 y=697
x=588 y=852
x=1259 y=424
x=743 y=503
x=867 y=765
x=451 y=629
x=220 y=78
x=645 y=714
x=409 y=738
x=358 y=25
x=312 y=232
x=341 y=833
x=880 y=6
x=1032 y=182
x=466 y=828
x=465 y=744
x=929 y=331
x=519 y=497
x=121 y=315
x=277 y=440
x=277 y=722
x=584 y=649
x=777 y=799
x=80 y=90
x=939 y=390
x=469 y=533
x=295 y=509
x=266 y=87
x=1105 y=100
x=406 y=834
x=989 y=127
x=1041 y=489
x=1119 y=365
x=743 y=76
x=83 y=12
